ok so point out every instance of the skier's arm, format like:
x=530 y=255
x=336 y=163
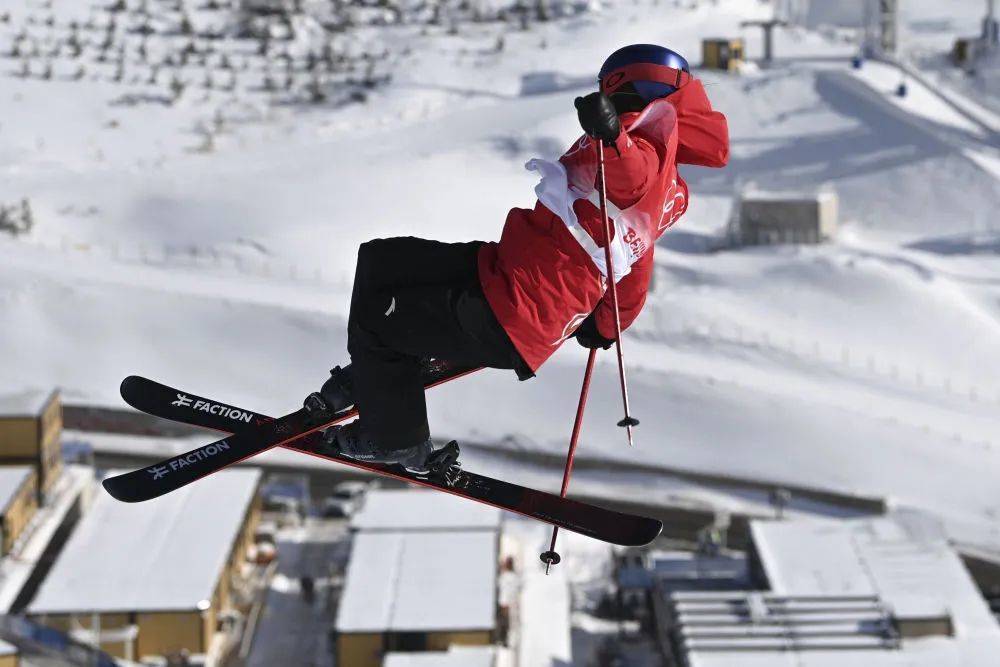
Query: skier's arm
x=629 y=160
x=628 y=169
x=631 y=297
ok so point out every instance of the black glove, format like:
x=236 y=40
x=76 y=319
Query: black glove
x=598 y=117
x=589 y=337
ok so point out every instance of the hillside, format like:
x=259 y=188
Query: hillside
x=208 y=242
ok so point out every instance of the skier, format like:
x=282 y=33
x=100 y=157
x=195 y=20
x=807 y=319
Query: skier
x=511 y=304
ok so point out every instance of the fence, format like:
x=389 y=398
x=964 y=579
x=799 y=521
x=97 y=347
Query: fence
x=833 y=357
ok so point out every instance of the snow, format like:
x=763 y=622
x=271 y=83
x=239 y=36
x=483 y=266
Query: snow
x=12 y=478
x=539 y=602
x=420 y=581
x=163 y=555
x=456 y=656
x=399 y=510
x=28 y=403
x=73 y=490
x=867 y=365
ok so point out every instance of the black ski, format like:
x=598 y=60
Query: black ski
x=256 y=433
x=597 y=522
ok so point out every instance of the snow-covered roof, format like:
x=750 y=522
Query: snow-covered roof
x=410 y=509
x=11 y=479
x=856 y=582
x=28 y=403
x=456 y=656
x=903 y=559
x=812 y=194
x=162 y=555
x=420 y=581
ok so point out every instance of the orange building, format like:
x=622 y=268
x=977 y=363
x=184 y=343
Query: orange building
x=156 y=578
x=30 y=434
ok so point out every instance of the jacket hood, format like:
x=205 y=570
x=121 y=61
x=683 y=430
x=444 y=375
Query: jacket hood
x=703 y=133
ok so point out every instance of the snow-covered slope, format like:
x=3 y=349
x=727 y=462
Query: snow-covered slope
x=868 y=364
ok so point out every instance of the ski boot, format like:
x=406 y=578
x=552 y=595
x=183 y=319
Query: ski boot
x=335 y=396
x=353 y=442
x=443 y=466
x=422 y=460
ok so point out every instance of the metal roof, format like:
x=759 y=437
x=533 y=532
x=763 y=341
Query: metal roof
x=420 y=581
x=844 y=592
x=166 y=554
x=903 y=559
x=413 y=509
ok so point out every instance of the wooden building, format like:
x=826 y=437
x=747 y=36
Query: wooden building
x=422 y=576
x=18 y=503
x=722 y=54
x=8 y=655
x=456 y=656
x=30 y=434
x=156 y=578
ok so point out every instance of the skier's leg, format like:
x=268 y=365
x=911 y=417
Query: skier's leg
x=387 y=384
x=385 y=264
x=409 y=262
x=451 y=322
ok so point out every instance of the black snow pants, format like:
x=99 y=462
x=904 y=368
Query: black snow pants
x=413 y=299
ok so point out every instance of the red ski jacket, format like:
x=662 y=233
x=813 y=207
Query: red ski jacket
x=547 y=273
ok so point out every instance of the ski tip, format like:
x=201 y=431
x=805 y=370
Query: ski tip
x=128 y=383
x=656 y=527
x=113 y=490
x=126 y=489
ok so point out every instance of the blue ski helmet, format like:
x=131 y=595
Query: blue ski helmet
x=654 y=71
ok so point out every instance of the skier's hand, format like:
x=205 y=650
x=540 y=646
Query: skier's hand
x=598 y=117
x=589 y=337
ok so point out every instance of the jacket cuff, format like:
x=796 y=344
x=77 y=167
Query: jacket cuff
x=622 y=143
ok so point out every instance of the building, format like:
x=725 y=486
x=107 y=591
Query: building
x=18 y=503
x=156 y=578
x=401 y=510
x=30 y=431
x=645 y=579
x=8 y=655
x=457 y=656
x=422 y=576
x=766 y=218
x=881 y=592
x=722 y=54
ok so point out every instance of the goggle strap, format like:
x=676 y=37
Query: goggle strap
x=644 y=72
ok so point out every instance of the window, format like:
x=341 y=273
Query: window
x=408 y=641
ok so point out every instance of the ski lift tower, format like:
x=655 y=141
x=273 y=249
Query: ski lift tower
x=768 y=28
x=991 y=28
x=881 y=27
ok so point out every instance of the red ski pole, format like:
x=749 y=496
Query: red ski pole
x=550 y=557
x=629 y=421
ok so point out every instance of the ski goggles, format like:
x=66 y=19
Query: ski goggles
x=669 y=77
